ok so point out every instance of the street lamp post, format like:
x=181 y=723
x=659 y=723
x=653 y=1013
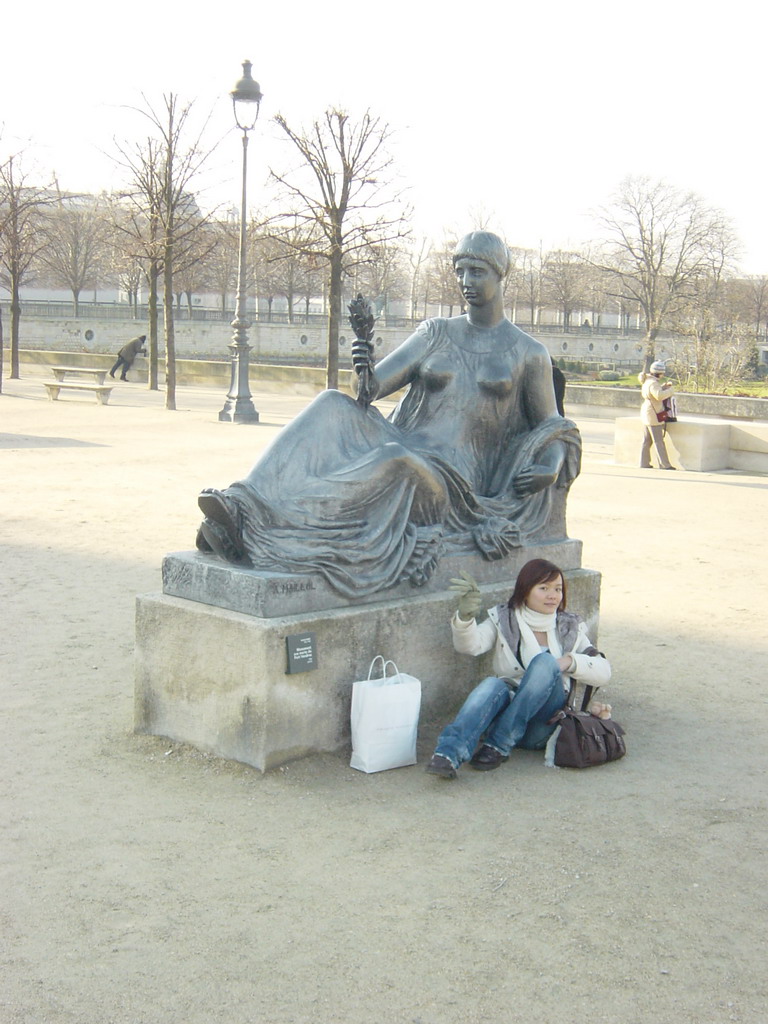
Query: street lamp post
x=239 y=408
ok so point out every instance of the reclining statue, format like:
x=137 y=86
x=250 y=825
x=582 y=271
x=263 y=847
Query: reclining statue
x=469 y=461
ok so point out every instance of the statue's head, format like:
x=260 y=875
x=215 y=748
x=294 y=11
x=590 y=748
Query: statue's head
x=485 y=246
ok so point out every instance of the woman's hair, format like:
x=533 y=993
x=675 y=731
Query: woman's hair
x=538 y=570
x=485 y=246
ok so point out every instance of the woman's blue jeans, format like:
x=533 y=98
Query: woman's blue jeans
x=504 y=718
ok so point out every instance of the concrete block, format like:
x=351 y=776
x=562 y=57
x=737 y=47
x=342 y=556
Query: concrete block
x=699 y=445
x=749 y=447
x=217 y=678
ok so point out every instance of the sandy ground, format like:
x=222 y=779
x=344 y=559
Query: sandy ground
x=145 y=882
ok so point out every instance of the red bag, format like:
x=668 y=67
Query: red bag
x=669 y=413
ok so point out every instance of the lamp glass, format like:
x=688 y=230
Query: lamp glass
x=246 y=99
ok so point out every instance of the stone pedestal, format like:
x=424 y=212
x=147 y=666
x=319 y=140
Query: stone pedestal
x=217 y=678
x=205 y=578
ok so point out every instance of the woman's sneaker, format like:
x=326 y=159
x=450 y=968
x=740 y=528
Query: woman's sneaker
x=439 y=765
x=487 y=758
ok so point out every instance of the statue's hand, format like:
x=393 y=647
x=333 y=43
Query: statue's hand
x=362 y=355
x=470 y=601
x=533 y=479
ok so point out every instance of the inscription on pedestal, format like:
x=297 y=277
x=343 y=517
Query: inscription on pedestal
x=302 y=653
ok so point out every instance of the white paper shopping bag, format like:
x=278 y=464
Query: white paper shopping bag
x=385 y=719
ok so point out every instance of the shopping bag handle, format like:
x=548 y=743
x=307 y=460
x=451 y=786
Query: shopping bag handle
x=380 y=657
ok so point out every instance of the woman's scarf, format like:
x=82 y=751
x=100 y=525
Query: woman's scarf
x=528 y=620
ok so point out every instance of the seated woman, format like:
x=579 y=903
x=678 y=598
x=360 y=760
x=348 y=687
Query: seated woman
x=467 y=461
x=536 y=644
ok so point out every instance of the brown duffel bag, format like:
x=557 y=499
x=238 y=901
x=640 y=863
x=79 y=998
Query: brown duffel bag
x=585 y=740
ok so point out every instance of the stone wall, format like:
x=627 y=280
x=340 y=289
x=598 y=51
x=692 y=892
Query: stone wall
x=210 y=338
x=584 y=399
x=612 y=401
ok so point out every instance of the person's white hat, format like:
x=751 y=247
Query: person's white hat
x=658 y=367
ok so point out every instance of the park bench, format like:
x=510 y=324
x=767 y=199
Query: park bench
x=98 y=375
x=101 y=391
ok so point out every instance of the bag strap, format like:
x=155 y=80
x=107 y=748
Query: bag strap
x=380 y=657
x=589 y=692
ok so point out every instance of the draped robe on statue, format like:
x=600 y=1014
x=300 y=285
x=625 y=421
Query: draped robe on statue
x=369 y=502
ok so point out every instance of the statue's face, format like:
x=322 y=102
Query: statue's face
x=478 y=282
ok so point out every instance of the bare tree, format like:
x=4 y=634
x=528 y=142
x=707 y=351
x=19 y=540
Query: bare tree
x=222 y=262
x=718 y=339
x=383 y=276
x=344 y=192
x=566 y=278
x=418 y=260
x=162 y=171
x=282 y=264
x=123 y=267
x=21 y=240
x=136 y=220
x=312 y=283
x=529 y=272
x=660 y=241
x=757 y=298
x=443 y=286
x=266 y=253
x=75 y=231
x=190 y=260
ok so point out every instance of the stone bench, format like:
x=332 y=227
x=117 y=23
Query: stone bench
x=96 y=374
x=101 y=391
x=700 y=445
x=749 y=447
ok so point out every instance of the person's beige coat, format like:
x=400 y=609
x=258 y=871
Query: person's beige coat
x=654 y=393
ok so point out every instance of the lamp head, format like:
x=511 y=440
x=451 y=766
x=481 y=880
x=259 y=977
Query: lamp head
x=246 y=98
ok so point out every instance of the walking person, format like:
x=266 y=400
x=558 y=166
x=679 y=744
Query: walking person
x=127 y=355
x=654 y=393
x=536 y=645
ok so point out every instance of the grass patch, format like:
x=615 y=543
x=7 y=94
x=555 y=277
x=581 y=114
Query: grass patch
x=746 y=389
x=630 y=381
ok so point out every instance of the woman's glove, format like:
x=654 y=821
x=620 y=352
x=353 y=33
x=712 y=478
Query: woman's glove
x=470 y=601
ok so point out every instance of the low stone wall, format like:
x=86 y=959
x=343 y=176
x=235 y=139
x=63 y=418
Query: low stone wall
x=201 y=372
x=612 y=401
x=591 y=400
x=289 y=341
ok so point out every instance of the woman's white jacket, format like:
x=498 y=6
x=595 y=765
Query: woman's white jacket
x=472 y=637
x=654 y=393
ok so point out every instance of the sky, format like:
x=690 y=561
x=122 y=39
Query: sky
x=529 y=119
